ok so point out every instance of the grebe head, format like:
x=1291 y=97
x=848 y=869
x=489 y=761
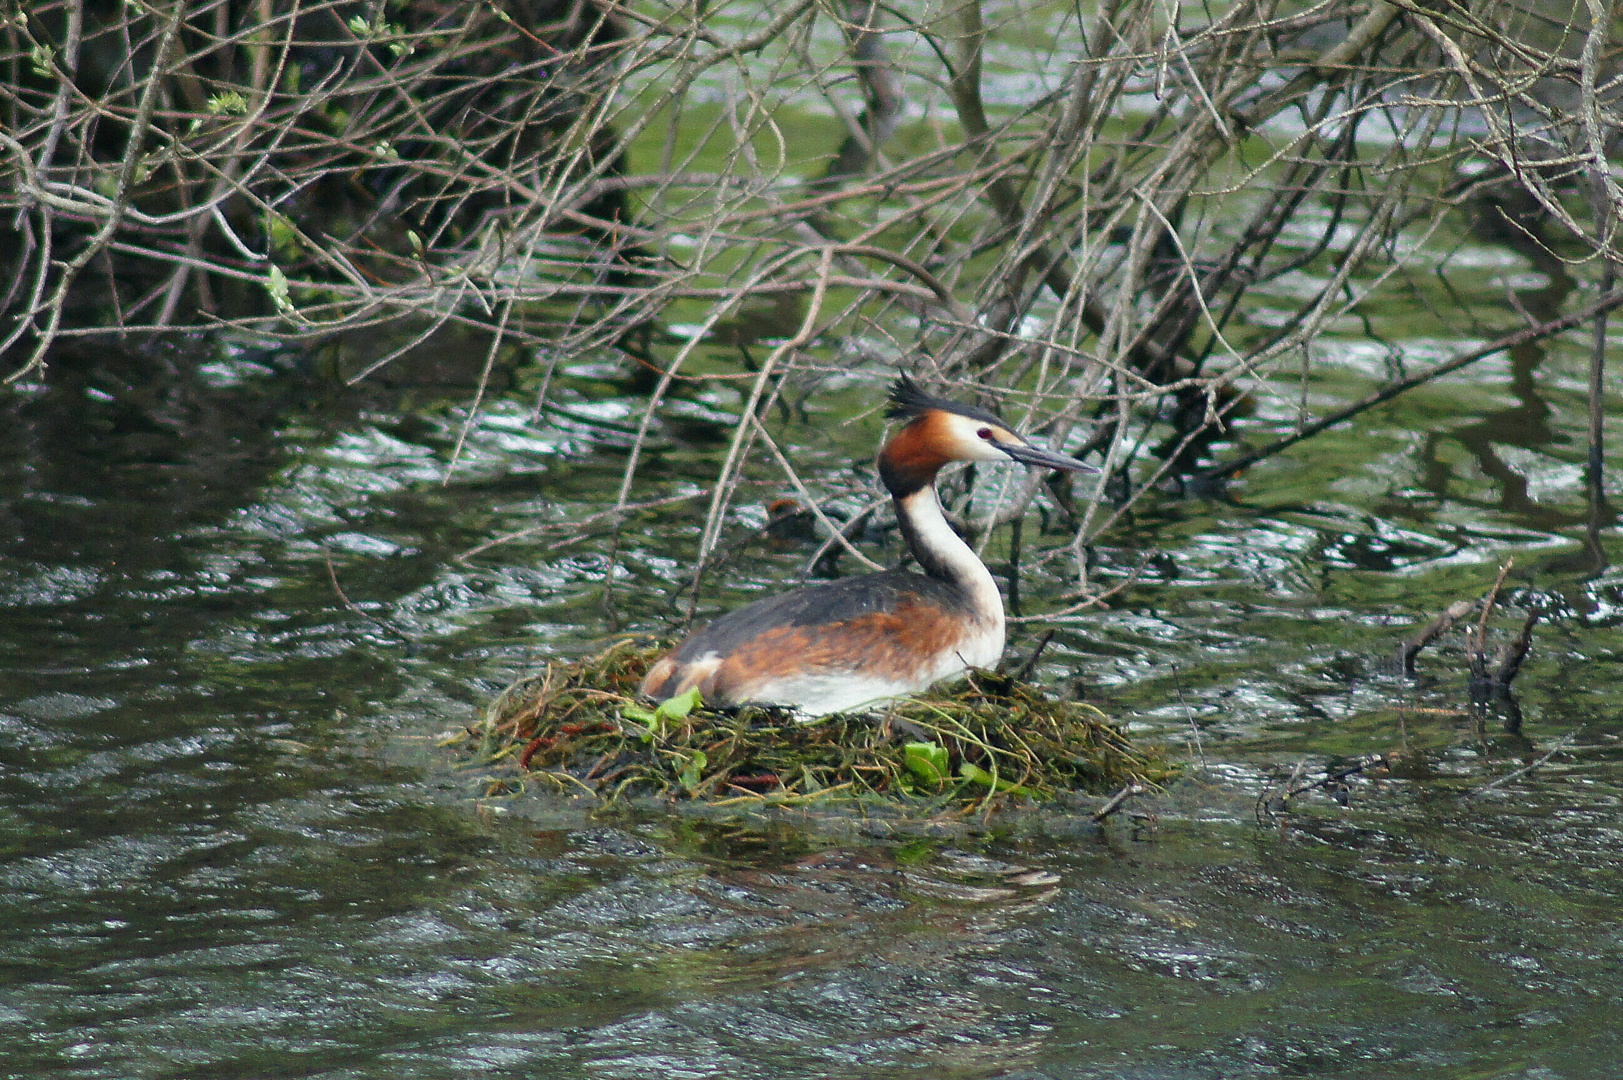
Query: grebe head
x=939 y=431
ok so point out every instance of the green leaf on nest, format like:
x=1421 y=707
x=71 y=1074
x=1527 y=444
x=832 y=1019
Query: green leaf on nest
x=679 y=706
x=692 y=772
x=977 y=775
x=927 y=761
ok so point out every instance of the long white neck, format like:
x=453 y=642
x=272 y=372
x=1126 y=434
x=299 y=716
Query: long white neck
x=942 y=554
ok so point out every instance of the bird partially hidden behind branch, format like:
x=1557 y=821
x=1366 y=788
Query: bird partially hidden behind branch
x=830 y=647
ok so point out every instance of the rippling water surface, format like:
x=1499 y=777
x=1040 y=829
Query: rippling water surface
x=230 y=845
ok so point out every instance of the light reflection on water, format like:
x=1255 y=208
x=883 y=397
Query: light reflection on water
x=229 y=846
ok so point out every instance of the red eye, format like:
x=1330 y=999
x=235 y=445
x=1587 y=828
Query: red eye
x=985 y=433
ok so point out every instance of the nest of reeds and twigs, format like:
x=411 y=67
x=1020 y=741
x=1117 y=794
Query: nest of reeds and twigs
x=578 y=725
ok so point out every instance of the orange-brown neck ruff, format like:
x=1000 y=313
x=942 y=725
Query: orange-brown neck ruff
x=913 y=456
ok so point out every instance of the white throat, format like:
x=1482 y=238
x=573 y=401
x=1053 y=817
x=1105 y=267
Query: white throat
x=941 y=552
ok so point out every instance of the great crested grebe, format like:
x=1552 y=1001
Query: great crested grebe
x=830 y=647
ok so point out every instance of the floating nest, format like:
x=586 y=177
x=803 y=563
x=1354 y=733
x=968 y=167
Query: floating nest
x=579 y=726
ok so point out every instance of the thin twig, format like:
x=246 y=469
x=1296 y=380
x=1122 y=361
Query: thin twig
x=1513 y=652
x=835 y=532
x=338 y=591
x=1566 y=741
x=1030 y=665
x=1332 y=776
x=1117 y=801
x=1479 y=636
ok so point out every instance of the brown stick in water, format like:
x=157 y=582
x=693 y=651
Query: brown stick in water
x=1432 y=631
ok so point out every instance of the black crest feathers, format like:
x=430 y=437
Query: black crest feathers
x=909 y=402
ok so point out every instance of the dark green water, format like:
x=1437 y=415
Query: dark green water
x=230 y=846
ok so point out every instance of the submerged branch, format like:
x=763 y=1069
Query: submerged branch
x=1393 y=389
